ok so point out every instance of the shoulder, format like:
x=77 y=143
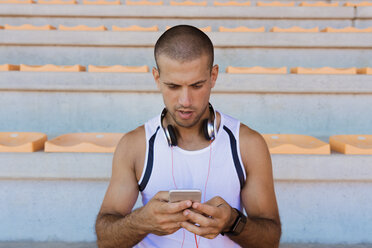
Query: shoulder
x=251 y=138
x=131 y=147
x=253 y=147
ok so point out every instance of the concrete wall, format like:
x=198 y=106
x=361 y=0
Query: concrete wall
x=56 y=196
x=58 y=103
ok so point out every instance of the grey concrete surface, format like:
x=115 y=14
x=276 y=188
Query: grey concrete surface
x=95 y=166
x=148 y=39
x=249 y=56
x=61 y=112
x=230 y=83
x=164 y=11
x=214 y=23
x=55 y=103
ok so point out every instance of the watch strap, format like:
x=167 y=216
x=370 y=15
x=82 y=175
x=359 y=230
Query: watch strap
x=238 y=225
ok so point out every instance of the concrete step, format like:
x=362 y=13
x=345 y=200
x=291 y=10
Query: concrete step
x=55 y=103
x=201 y=16
x=237 y=49
x=316 y=195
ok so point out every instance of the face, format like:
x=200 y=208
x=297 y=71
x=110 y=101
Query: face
x=186 y=87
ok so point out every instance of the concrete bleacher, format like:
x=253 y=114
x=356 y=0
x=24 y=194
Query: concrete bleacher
x=55 y=196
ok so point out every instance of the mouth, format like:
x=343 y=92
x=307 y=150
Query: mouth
x=185 y=114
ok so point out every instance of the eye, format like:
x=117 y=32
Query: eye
x=173 y=86
x=197 y=86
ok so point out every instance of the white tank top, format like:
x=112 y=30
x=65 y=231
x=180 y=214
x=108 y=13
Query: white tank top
x=190 y=168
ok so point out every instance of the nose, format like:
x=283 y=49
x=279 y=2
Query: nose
x=185 y=98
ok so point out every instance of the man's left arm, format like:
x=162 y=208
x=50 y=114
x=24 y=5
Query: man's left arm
x=263 y=227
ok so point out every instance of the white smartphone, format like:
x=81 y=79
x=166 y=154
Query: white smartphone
x=176 y=195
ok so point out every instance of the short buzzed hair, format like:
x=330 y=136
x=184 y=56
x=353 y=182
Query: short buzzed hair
x=184 y=43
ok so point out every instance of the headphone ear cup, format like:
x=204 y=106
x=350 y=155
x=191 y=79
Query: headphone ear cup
x=172 y=137
x=205 y=129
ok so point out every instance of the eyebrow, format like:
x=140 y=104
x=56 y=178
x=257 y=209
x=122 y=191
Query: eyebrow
x=198 y=82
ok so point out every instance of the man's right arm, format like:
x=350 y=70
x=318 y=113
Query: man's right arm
x=116 y=224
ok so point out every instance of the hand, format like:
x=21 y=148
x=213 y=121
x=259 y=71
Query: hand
x=162 y=217
x=213 y=217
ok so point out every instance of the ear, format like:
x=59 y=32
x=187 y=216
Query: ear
x=156 y=75
x=214 y=75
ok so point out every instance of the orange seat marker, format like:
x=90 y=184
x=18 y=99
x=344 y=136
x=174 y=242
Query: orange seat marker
x=323 y=70
x=118 y=68
x=144 y=2
x=28 y=27
x=365 y=70
x=101 y=2
x=8 y=67
x=347 y=30
x=22 y=141
x=295 y=144
x=82 y=28
x=135 y=28
x=242 y=29
x=188 y=3
x=231 y=3
x=361 y=4
x=352 y=144
x=52 y=68
x=17 y=1
x=318 y=4
x=275 y=4
x=84 y=142
x=255 y=70
x=294 y=29
x=59 y=2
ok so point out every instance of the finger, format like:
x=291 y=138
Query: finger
x=201 y=231
x=198 y=218
x=175 y=218
x=162 y=196
x=207 y=209
x=176 y=207
x=215 y=201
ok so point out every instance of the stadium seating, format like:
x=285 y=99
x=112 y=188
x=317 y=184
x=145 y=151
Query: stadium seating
x=366 y=70
x=118 y=68
x=135 y=28
x=294 y=30
x=351 y=144
x=79 y=72
x=101 y=2
x=241 y=29
x=144 y=2
x=295 y=144
x=275 y=4
x=256 y=70
x=324 y=70
x=51 y=68
x=231 y=3
x=58 y=2
x=84 y=142
x=8 y=67
x=21 y=141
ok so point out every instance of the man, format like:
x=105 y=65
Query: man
x=204 y=149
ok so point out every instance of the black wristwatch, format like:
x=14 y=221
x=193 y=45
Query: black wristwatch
x=238 y=225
